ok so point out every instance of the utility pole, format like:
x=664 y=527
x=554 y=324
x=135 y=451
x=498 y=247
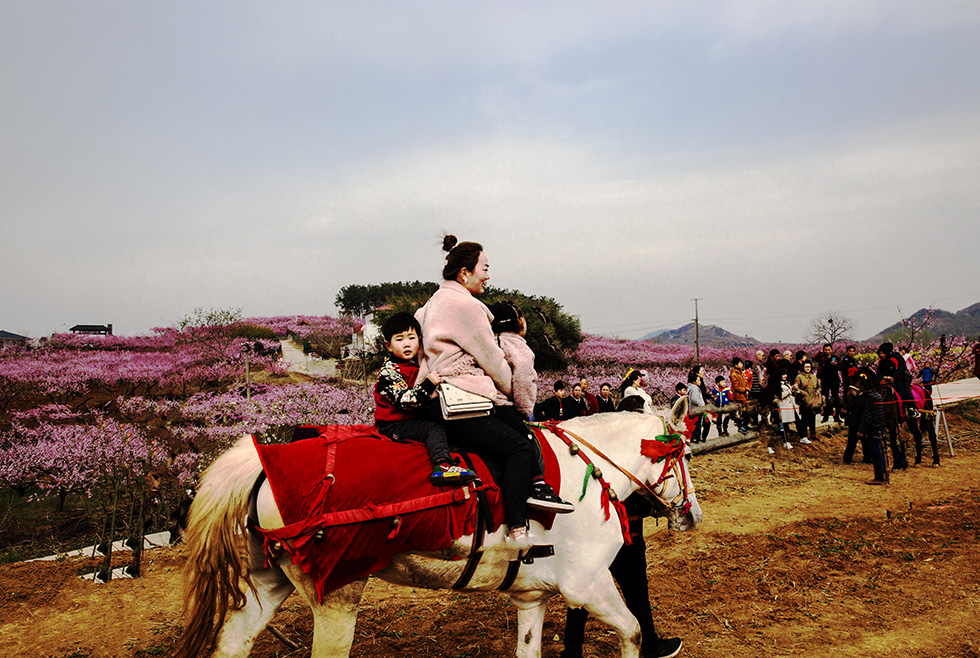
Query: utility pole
x=697 y=341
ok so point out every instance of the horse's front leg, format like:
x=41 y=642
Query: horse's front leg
x=603 y=601
x=913 y=425
x=531 y=608
x=898 y=449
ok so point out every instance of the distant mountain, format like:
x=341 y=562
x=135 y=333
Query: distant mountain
x=708 y=335
x=965 y=322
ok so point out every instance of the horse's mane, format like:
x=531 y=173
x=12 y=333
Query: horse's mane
x=605 y=420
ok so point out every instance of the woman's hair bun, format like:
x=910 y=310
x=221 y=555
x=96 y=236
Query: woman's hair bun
x=448 y=242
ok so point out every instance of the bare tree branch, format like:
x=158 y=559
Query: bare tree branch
x=830 y=327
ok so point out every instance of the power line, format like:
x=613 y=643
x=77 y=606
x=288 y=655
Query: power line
x=661 y=324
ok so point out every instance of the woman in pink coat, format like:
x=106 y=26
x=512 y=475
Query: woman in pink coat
x=459 y=344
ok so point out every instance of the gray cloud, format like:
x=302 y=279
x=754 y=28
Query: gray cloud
x=776 y=159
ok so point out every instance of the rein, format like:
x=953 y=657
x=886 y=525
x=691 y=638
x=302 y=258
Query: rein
x=671 y=469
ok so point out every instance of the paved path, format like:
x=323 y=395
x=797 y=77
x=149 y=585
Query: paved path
x=306 y=364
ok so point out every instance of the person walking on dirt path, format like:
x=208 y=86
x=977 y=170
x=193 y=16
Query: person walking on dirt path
x=873 y=427
x=808 y=389
x=892 y=370
x=828 y=372
x=852 y=411
x=848 y=362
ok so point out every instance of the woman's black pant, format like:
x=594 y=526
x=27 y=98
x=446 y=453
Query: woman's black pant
x=808 y=421
x=513 y=418
x=489 y=435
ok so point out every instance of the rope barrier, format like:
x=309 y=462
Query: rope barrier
x=945 y=401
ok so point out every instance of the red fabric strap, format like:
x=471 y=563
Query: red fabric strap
x=370 y=513
x=553 y=427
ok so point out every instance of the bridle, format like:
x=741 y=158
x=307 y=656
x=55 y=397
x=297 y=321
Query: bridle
x=672 y=468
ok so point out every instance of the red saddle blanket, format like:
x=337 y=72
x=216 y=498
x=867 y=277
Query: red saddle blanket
x=351 y=499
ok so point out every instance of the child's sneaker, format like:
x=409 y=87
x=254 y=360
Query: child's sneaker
x=541 y=496
x=451 y=475
x=788 y=445
x=771 y=451
x=805 y=441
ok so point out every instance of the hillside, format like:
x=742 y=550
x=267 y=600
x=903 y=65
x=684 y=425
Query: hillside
x=965 y=322
x=708 y=334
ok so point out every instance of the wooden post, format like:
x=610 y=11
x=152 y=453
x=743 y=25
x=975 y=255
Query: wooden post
x=941 y=413
x=697 y=338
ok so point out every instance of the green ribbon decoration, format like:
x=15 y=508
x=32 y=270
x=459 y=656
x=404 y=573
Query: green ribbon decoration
x=585 y=483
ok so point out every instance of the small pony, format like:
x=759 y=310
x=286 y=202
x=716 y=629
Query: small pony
x=230 y=601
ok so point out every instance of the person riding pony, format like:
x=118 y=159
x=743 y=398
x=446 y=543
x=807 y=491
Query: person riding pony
x=458 y=343
x=893 y=370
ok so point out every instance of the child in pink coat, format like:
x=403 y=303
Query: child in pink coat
x=510 y=327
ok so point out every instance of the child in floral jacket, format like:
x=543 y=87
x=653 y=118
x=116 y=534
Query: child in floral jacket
x=399 y=400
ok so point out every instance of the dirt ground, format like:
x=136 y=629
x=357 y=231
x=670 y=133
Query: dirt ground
x=797 y=556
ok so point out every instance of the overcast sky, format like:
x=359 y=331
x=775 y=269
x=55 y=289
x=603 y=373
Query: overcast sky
x=775 y=159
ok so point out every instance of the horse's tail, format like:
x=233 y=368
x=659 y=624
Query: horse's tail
x=214 y=572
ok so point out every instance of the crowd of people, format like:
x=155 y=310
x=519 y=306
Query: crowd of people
x=785 y=392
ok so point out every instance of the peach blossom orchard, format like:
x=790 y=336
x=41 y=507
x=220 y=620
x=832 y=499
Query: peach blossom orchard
x=118 y=420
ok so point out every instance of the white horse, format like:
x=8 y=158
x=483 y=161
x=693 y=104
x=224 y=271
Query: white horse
x=220 y=609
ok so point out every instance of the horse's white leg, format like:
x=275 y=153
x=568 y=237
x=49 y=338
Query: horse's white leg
x=605 y=603
x=334 y=619
x=530 y=622
x=241 y=627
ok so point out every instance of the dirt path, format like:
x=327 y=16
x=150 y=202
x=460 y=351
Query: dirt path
x=300 y=362
x=796 y=557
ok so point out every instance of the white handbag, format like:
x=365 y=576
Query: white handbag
x=457 y=403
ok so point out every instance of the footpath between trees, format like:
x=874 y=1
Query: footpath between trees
x=306 y=364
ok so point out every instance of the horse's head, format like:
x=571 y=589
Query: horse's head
x=858 y=375
x=672 y=494
x=642 y=455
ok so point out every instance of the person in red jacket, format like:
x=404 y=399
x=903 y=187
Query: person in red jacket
x=398 y=400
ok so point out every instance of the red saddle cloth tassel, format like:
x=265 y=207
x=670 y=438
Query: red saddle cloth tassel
x=604 y=499
x=396 y=525
x=624 y=523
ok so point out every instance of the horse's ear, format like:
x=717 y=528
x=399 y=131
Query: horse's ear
x=679 y=411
